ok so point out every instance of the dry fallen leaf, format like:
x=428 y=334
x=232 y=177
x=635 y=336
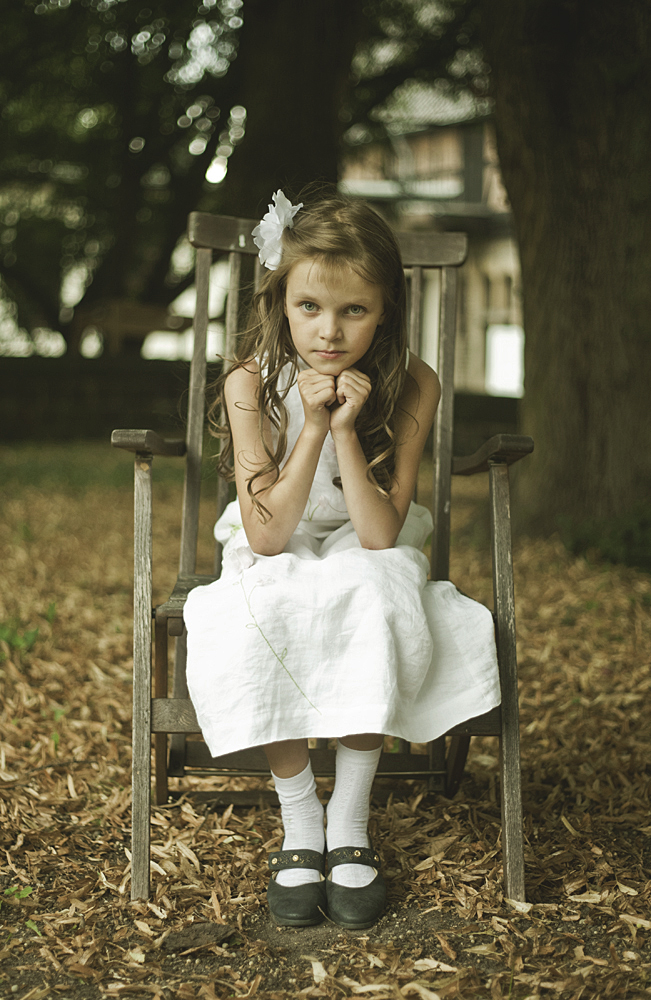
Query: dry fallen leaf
x=584 y=648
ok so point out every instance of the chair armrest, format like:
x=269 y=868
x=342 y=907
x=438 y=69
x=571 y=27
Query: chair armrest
x=507 y=448
x=142 y=440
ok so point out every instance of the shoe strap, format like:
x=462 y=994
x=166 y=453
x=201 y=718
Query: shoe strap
x=352 y=856
x=280 y=860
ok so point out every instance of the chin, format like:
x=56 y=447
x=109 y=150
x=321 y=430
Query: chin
x=334 y=367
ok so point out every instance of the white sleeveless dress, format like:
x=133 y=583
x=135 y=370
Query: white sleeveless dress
x=329 y=639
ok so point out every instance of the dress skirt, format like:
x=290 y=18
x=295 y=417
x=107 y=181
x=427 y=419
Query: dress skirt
x=330 y=639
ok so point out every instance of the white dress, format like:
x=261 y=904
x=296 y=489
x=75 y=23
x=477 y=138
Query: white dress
x=329 y=639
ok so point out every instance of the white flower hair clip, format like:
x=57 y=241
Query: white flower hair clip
x=267 y=235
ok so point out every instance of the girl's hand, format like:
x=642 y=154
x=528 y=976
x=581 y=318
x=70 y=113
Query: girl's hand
x=317 y=394
x=353 y=389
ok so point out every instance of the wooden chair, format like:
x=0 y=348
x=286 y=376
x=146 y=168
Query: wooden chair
x=163 y=715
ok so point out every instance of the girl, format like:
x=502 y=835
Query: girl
x=323 y=623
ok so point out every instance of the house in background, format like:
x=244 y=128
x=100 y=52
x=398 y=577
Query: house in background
x=437 y=167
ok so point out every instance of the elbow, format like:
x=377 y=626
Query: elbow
x=377 y=543
x=263 y=543
x=264 y=547
x=266 y=550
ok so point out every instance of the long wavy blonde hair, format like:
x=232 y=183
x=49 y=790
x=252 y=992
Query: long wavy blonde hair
x=337 y=234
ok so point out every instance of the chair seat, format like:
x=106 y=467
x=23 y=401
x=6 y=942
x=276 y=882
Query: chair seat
x=177 y=715
x=172 y=610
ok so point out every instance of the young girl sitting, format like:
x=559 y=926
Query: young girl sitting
x=323 y=623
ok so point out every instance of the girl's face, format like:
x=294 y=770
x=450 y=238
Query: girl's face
x=332 y=317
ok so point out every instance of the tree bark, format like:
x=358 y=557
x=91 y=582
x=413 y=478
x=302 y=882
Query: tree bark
x=571 y=81
x=294 y=66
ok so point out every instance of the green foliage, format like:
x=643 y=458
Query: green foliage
x=17 y=892
x=624 y=539
x=22 y=641
x=112 y=113
x=414 y=41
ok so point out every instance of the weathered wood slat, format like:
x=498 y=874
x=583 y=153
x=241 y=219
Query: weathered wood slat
x=264 y=797
x=177 y=715
x=176 y=763
x=440 y=552
x=146 y=440
x=196 y=407
x=505 y=448
x=140 y=776
x=185 y=582
x=232 y=306
x=415 y=308
x=222 y=233
x=173 y=715
x=160 y=691
x=432 y=249
x=229 y=235
x=512 y=843
x=222 y=502
x=253 y=761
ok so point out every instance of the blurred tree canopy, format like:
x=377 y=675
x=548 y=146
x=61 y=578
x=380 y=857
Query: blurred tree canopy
x=109 y=122
x=112 y=112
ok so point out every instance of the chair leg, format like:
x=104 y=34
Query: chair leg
x=160 y=691
x=512 y=822
x=455 y=763
x=141 y=724
x=176 y=767
x=436 y=754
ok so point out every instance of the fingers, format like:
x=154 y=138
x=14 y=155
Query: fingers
x=353 y=388
x=316 y=390
x=317 y=394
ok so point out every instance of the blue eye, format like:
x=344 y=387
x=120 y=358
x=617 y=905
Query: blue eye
x=309 y=306
x=356 y=310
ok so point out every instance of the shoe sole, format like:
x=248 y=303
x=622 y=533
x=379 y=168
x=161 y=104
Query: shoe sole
x=296 y=923
x=356 y=927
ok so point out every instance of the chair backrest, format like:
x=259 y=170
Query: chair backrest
x=420 y=250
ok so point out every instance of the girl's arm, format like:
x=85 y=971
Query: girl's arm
x=378 y=520
x=287 y=497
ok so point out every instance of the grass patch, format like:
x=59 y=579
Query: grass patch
x=625 y=539
x=83 y=465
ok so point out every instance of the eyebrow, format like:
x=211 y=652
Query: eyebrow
x=362 y=300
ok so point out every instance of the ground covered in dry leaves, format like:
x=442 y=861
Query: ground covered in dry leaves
x=68 y=928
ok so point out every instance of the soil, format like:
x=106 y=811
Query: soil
x=68 y=927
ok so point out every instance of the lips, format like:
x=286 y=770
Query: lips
x=330 y=354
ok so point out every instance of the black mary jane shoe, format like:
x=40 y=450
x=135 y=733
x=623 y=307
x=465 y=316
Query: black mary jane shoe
x=355 y=907
x=296 y=905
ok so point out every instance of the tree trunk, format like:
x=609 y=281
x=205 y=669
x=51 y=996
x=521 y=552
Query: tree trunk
x=572 y=86
x=294 y=65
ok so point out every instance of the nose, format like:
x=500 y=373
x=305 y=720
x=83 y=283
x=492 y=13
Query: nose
x=330 y=329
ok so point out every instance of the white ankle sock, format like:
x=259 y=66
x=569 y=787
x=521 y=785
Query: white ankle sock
x=302 y=815
x=348 y=810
